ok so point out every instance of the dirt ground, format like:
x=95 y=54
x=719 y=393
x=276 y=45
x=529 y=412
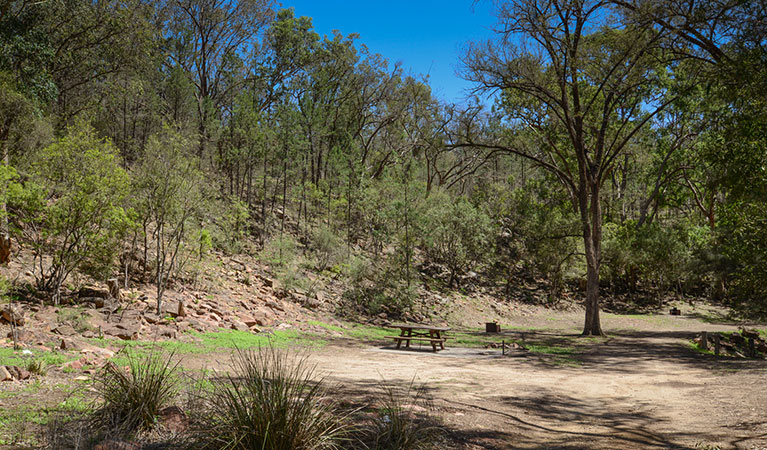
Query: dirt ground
x=641 y=388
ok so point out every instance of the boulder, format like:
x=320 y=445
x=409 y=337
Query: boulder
x=17 y=372
x=126 y=332
x=240 y=326
x=21 y=335
x=97 y=302
x=91 y=291
x=69 y=344
x=13 y=315
x=65 y=329
x=5 y=375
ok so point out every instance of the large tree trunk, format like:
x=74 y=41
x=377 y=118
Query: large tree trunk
x=592 y=239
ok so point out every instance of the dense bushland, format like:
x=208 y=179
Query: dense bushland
x=129 y=147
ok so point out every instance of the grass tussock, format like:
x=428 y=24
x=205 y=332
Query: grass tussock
x=37 y=367
x=403 y=420
x=132 y=397
x=271 y=401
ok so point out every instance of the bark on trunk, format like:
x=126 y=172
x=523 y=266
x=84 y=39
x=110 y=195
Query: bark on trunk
x=592 y=237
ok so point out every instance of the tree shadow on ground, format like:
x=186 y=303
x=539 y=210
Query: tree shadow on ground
x=631 y=351
x=546 y=420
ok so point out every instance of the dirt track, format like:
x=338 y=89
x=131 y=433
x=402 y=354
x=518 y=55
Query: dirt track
x=640 y=389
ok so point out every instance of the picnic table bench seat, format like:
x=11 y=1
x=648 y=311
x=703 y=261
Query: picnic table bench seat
x=422 y=333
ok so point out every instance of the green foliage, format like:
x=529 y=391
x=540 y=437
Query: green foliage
x=133 y=398
x=77 y=205
x=231 y=222
x=171 y=193
x=280 y=251
x=539 y=230
x=326 y=247
x=743 y=235
x=271 y=401
x=455 y=233
x=652 y=255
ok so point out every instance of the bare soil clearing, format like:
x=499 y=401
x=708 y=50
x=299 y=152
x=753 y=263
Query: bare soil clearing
x=638 y=389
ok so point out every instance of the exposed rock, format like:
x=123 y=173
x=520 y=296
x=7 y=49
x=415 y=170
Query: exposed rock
x=173 y=309
x=261 y=318
x=168 y=332
x=90 y=291
x=17 y=372
x=97 y=302
x=98 y=352
x=69 y=344
x=13 y=315
x=21 y=335
x=65 y=329
x=240 y=326
x=125 y=332
x=75 y=365
x=152 y=318
x=274 y=305
x=5 y=375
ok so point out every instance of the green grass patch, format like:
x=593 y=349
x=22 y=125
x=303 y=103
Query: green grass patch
x=697 y=348
x=357 y=331
x=20 y=358
x=210 y=342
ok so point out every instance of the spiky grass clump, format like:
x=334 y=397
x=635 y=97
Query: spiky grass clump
x=132 y=398
x=402 y=421
x=37 y=367
x=271 y=401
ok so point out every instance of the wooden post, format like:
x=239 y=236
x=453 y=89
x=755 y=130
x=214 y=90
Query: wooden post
x=717 y=344
x=704 y=340
x=503 y=347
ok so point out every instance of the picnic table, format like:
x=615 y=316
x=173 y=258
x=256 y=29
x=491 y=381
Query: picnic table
x=419 y=332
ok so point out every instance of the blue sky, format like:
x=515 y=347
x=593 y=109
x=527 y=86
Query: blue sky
x=425 y=35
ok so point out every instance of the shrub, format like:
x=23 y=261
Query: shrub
x=456 y=233
x=326 y=245
x=397 y=425
x=79 y=172
x=270 y=402
x=133 y=398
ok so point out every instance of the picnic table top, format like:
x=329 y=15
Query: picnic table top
x=418 y=326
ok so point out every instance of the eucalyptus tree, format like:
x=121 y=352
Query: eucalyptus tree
x=209 y=39
x=576 y=87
